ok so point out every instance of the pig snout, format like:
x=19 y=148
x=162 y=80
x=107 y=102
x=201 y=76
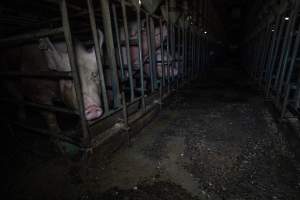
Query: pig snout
x=92 y=109
x=93 y=112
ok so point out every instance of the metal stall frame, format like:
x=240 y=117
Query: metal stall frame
x=183 y=44
x=274 y=60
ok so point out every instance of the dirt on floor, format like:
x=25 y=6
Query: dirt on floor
x=216 y=140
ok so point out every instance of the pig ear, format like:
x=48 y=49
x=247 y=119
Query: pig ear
x=54 y=59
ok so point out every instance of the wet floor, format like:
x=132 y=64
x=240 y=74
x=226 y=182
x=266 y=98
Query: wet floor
x=216 y=140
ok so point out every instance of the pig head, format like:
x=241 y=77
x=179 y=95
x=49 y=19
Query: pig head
x=58 y=60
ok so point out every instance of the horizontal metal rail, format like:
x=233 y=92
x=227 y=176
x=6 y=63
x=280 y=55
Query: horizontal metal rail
x=39 y=106
x=47 y=133
x=31 y=36
x=37 y=75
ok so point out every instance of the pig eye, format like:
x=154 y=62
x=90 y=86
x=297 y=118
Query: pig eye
x=94 y=77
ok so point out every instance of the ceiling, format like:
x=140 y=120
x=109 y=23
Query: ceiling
x=232 y=13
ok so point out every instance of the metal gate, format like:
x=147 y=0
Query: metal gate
x=272 y=56
x=132 y=90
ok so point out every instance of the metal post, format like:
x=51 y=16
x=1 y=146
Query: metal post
x=271 y=53
x=139 y=34
x=153 y=49
x=116 y=26
x=149 y=52
x=264 y=55
x=75 y=72
x=162 y=53
x=283 y=52
x=98 y=54
x=128 y=54
x=290 y=71
x=278 y=41
x=111 y=50
x=286 y=57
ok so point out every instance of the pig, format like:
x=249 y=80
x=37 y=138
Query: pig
x=167 y=70
x=134 y=51
x=133 y=34
x=49 y=56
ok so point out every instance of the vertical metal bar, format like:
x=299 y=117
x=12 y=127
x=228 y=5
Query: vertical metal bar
x=265 y=53
x=124 y=106
x=111 y=50
x=150 y=69
x=75 y=72
x=168 y=61
x=160 y=94
x=181 y=44
x=286 y=57
x=283 y=53
x=172 y=43
x=198 y=55
x=190 y=54
x=178 y=62
x=153 y=50
x=193 y=54
x=162 y=53
x=290 y=71
x=98 y=54
x=271 y=53
x=168 y=47
x=139 y=34
x=297 y=93
x=278 y=42
x=119 y=53
x=128 y=54
x=184 y=52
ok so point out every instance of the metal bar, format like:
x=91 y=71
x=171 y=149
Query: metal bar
x=178 y=63
x=184 y=52
x=124 y=106
x=269 y=81
x=32 y=36
x=153 y=51
x=111 y=50
x=289 y=73
x=192 y=54
x=128 y=54
x=271 y=52
x=150 y=69
x=265 y=53
x=190 y=46
x=168 y=61
x=162 y=53
x=172 y=45
x=39 y=106
x=75 y=72
x=37 y=75
x=44 y=132
x=139 y=34
x=285 y=60
x=98 y=54
x=283 y=52
x=119 y=54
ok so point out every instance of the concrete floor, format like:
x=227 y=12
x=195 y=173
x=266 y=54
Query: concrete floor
x=216 y=140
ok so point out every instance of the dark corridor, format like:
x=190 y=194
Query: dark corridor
x=196 y=100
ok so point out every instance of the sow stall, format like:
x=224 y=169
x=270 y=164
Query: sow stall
x=130 y=92
x=272 y=56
